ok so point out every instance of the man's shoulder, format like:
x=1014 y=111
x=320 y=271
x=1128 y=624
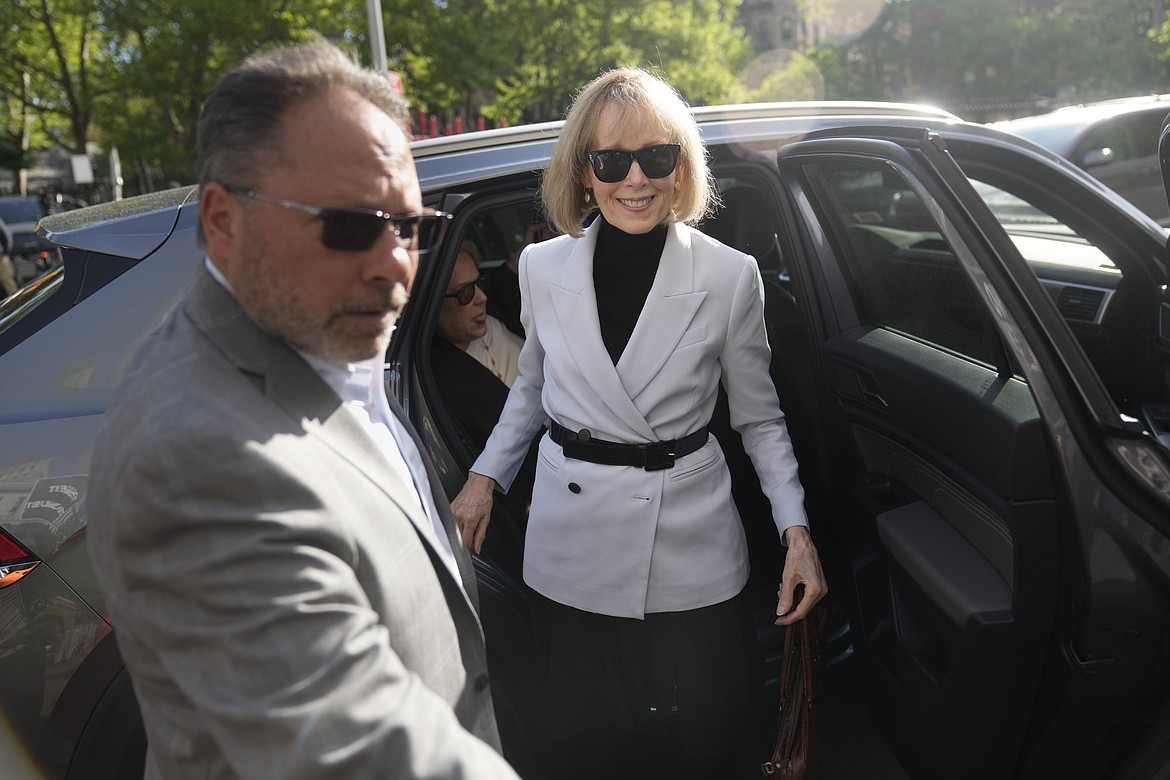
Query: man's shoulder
x=175 y=381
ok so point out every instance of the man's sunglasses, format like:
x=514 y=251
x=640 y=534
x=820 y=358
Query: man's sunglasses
x=356 y=230
x=613 y=165
x=465 y=293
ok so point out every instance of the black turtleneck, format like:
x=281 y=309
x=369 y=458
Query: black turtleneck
x=624 y=265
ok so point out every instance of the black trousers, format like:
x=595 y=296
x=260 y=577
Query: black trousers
x=662 y=697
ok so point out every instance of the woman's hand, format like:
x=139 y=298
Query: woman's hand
x=802 y=566
x=473 y=509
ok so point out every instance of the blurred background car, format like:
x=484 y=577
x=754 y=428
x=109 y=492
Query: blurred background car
x=1114 y=140
x=31 y=254
x=7 y=272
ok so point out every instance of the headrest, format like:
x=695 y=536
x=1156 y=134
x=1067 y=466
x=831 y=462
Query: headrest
x=744 y=222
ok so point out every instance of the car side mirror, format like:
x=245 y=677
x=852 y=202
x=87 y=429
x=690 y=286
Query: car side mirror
x=1097 y=157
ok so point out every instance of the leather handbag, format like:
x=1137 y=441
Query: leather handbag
x=795 y=751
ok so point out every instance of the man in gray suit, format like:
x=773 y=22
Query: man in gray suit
x=289 y=593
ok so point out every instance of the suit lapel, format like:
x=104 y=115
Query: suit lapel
x=293 y=386
x=667 y=314
x=575 y=303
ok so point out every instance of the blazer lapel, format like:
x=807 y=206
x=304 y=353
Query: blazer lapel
x=666 y=316
x=300 y=392
x=575 y=304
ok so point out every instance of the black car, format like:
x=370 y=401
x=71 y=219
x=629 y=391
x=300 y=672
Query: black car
x=32 y=254
x=971 y=342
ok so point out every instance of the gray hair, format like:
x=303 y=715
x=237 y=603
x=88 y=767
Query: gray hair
x=241 y=117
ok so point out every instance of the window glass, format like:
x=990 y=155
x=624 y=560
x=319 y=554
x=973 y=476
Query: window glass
x=747 y=219
x=19 y=209
x=1130 y=136
x=902 y=273
x=499 y=231
x=1147 y=126
x=1114 y=134
x=1081 y=270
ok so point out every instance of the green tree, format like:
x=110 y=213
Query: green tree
x=968 y=49
x=55 y=69
x=15 y=130
x=523 y=60
x=171 y=53
x=780 y=74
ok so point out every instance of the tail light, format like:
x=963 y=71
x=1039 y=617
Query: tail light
x=15 y=561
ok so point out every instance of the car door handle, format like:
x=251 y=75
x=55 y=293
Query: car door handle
x=874 y=399
x=870 y=390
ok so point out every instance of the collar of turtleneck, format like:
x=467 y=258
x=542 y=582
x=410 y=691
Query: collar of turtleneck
x=624 y=266
x=615 y=241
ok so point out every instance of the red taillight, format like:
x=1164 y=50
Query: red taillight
x=15 y=561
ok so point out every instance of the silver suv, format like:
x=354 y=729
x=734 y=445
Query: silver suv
x=1114 y=140
x=971 y=341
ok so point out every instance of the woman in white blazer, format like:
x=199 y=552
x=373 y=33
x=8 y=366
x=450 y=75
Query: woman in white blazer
x=633 y=538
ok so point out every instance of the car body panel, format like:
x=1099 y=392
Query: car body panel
x=46 y=636
x=131 y=228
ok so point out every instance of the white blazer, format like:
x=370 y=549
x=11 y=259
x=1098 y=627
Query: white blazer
x=621 y=540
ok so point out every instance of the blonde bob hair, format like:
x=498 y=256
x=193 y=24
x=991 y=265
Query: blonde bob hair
x=644 y=100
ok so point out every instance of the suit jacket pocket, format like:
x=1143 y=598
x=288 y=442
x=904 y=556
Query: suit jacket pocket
x=702 y=465
x=550 y=455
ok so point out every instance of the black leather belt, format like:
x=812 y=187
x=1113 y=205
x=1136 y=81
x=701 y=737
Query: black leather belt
x=580 y=445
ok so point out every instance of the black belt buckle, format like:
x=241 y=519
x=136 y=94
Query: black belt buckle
x=575 y=444
x=657 y=456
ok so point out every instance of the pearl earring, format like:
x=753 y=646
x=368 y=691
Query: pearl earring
x=588 y=196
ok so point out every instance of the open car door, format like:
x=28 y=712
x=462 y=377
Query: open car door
x=978 y=460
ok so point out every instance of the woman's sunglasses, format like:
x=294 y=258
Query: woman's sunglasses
x=613 y=165
x=465 y=293
x=356 y=230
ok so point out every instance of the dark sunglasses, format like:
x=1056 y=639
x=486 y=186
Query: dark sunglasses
x=356 y=230
x=613 y=165
x=465 y=293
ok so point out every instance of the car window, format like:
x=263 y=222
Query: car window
x=1111 y=134
x=746 y=219
x=1098 y=273
x=19 y=210
x=499 y=231
x=1147 y=126
x=1129 y=136
x=1081 y=273
x=901 y=272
